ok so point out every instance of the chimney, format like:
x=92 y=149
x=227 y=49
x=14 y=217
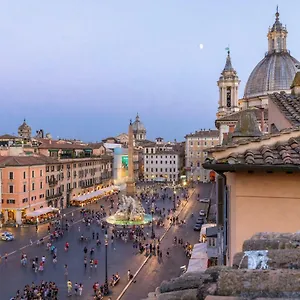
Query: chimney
x=296 y=85
x=246 y=127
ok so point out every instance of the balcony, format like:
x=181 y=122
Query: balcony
x=52 y=182
x=51 y=197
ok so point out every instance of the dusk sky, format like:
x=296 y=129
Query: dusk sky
x=82 y=69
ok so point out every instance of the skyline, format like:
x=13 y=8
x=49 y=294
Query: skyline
x=58 y=63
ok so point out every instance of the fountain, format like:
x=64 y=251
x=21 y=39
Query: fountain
x=130 y=212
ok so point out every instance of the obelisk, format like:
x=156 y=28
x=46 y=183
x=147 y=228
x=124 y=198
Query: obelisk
x=130 y=185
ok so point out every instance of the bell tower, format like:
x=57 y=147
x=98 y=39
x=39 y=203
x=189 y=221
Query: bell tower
x=228 y=84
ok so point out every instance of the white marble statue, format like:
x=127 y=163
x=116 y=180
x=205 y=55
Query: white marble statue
x=130 y=210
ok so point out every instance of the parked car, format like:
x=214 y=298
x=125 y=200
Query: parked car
x=197 y=227
x=7 y=236
x=202 y=213
x=200 y=221
x=205 y=200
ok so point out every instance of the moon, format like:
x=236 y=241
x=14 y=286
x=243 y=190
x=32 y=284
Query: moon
x=201 y=46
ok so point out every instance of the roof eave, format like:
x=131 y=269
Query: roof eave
x=243 y=167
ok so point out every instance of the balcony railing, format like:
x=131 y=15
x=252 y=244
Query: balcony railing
x=52 y=182
x=50 y=197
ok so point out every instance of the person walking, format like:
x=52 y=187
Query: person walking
x=80 y=288
x=69 y=286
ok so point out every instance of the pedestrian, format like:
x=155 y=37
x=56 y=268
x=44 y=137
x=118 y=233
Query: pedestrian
x=5 y=257
x=95 y=263
x=85 y=262
x=69 y=286
x=76 y=288
x=80 y=288
x=66 y=270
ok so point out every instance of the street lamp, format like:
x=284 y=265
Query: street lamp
x=152 y=212
x=106 y=290
x=174 y=201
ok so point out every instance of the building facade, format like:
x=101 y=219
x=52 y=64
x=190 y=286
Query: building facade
x=51 y=176
x=162 y=162
x=195 y=153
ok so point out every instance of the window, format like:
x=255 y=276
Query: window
x=24 y=188
x=11 y=189
x=161 y=162
x=191 y=143
x=155 y=169
x=156 y=162
x=24 y=175
x=10 y=201
x=32 y=174
x=47 y=169
x=166 y=162
x=166 y=169
x=228 y=97
x=41 y=185
x=11 y=175
x=146 y=161
x=146 y=169
x=41 y=173
x=198 y=164
x=32 y=185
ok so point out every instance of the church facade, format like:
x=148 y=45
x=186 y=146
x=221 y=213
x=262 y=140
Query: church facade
x=274 y=73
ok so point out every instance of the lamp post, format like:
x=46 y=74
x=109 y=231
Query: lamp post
x=106 y=291
x=152 y=212
x=174 y=201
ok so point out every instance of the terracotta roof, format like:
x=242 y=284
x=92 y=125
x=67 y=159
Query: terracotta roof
x=25 y=160
x=95 y=145
x=278 y=155
x=289 y=105
x=53 y=144
x=9 y=137
x=204 y=133
x=235 y=116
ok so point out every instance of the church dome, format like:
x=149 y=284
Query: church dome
x=24 y=126
x=273 y=73
x=137 y=125
x=276 y=71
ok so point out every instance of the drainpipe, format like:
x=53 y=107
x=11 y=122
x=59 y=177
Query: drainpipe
x=222 y=222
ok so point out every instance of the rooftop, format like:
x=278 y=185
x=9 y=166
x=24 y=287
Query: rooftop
x=273 y=151
x=204 y=133
x=235 y=116
x=289 y=105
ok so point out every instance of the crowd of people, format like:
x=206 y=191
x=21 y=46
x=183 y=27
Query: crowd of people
x=43 y=291
x=95 y=220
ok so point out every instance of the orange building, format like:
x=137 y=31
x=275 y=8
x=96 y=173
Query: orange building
x=23 y=186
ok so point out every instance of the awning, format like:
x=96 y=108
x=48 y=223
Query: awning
x=198 y=261
x=121 y=187
x=41 y=211
x=94 y=194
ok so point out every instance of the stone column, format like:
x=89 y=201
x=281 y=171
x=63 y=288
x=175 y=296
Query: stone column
x=5 y=215
x=130 y=185
x=18 y=217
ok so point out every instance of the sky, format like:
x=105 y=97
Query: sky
x=83 y=69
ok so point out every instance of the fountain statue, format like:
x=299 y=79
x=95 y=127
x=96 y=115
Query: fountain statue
x=130 y=212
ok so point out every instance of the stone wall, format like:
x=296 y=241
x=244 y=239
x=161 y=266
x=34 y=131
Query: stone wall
x=278 y=259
